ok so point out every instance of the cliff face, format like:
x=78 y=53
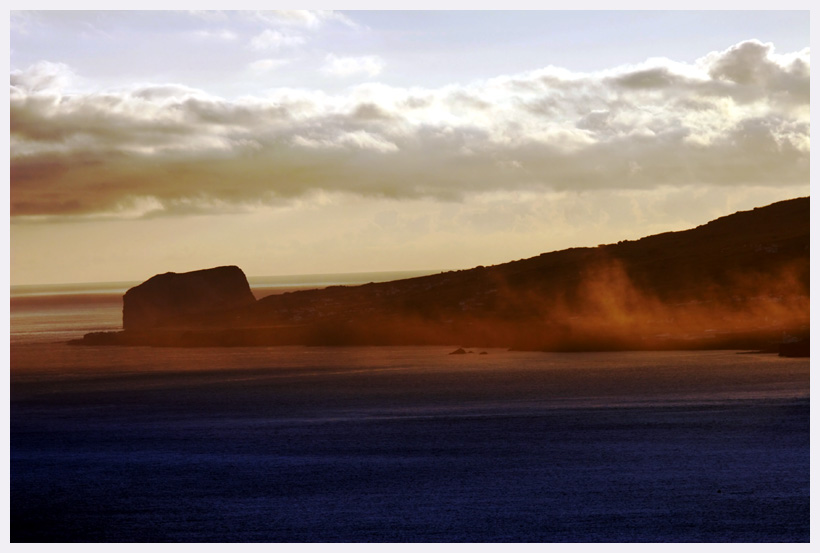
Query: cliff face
x=745 y=275
x=165 y=300
x=740 y=281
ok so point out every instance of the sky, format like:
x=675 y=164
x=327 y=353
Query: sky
x=302 y=142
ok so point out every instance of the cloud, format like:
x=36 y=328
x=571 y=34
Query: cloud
x=350 y=66
x=295 y=18
x=311 y=19
x=42 y=76
x=736 y=118
x=219 y=35
x=275 y=40
x=752 y=67
x=359 y=139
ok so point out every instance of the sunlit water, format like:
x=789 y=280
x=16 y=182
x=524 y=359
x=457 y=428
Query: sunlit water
x=395 y=443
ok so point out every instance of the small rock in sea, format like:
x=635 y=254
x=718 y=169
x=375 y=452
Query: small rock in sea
x=483 y=353
x=459 y=351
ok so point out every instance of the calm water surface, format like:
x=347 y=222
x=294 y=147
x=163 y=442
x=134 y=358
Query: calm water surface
x=397 y=443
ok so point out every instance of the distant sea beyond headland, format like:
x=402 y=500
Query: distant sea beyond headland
x=260 y=285
x=53 y=312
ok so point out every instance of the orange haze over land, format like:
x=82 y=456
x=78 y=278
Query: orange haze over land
x=740 y=281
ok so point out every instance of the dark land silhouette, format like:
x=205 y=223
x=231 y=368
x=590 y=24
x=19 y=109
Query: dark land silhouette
x=162 y=298
x=738 y=282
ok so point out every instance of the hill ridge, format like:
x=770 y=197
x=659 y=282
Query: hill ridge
x=741 y=280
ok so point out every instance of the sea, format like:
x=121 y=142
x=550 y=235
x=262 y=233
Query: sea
x=115 y=444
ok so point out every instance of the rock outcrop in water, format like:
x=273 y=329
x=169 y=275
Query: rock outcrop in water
x=164 y=300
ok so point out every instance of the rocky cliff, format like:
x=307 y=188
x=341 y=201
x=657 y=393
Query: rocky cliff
x=168 y=299
x=741 y=281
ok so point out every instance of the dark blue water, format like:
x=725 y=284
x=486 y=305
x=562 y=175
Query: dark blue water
x=407 y=444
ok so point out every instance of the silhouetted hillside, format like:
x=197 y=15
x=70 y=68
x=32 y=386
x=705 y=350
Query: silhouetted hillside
x=741 y=281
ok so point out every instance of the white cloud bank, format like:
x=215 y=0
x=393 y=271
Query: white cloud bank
x=739 y=117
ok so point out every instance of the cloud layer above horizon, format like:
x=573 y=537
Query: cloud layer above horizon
x=737 y=117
